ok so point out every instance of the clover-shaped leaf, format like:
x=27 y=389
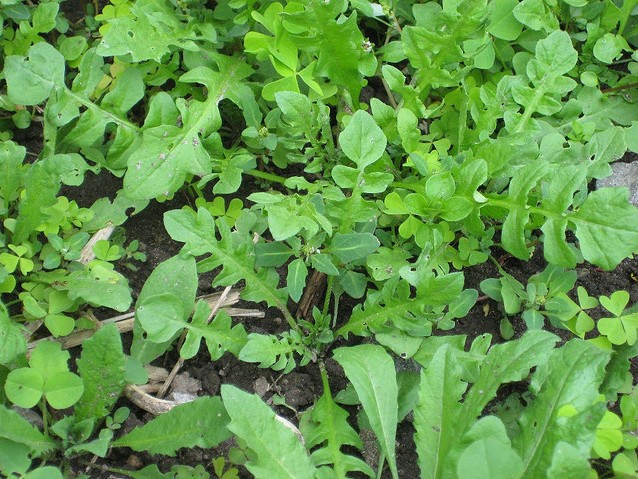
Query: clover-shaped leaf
x=622 y=328
x=48 y=375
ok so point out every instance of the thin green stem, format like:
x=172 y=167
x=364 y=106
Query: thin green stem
x=92 y=106
x=326 y=301
x=290 y=320
x=266 y=176
x=105 y=468
x=531 y=108
x=380 y=465
x=45 y=416
x=532 y=209
x=462 y=125
x=412 y=186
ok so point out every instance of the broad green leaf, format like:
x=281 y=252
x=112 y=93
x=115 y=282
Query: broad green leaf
x=161 y=316
x=101 y=285
x=371 y=371
x=101 y=367
x=297 y=109
x=502 y=22
x=273 y=254
x=610 y=47
x=41 y=186
x=296 y=278
x=558 y=199
x=90 y=128
x=146 y=32
x=534 y=14
x=14 y=457
x=436 y=412
x=177 y=275
x=505 y=363
x=31 y=80
x=63 y=390
x=24 y=387
x=352 y=246
x=354 y=283
x=345 y=176
x=607 y=146
x=489 y=458
x=341 y=56
x=276 y=450
x=557 y=52
x=45 y=472
x=167 y=153
x=513 y=236
x=323 y=263
x=15 y=428
x=396 y=306
x=362 y=140
x=11 y=169
x=571 y=377
x=283 y=223
x=568 y=463
x=270 y=351
x=606 y=227
x=200 y=423
x=12 y=341
x=233 y=251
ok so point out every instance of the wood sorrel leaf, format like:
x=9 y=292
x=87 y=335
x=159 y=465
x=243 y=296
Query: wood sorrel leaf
x=24 y=387
x=63 y=390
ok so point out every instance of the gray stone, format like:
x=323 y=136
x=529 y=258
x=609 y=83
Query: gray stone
x=624 y=174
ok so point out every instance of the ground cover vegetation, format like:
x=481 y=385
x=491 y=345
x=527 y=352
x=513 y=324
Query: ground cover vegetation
x=384 y=147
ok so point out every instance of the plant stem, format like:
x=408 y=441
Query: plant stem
x=266 y=176
x=45 y=416
x=326 y=301
x=619 y=88
x=105 y=468
x=412 y=186
x=530 y=108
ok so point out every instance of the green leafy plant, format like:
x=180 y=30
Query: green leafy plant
x=46 y=378
x=531 y=300
x=380 y=147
